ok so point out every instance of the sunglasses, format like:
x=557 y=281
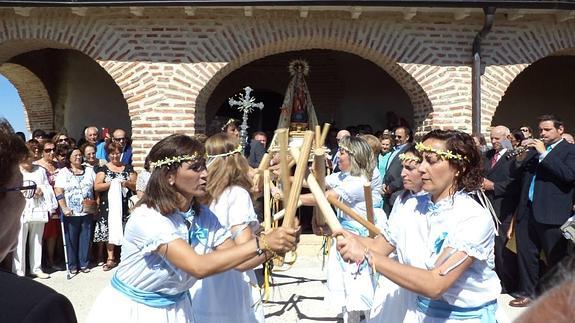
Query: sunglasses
x=28 y=189
x=525 y=130
x=119 y=139
x=49 y=150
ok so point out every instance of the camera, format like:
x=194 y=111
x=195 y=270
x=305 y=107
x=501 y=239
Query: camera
x=568 y=229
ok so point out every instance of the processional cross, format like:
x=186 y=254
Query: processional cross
x=245 y=104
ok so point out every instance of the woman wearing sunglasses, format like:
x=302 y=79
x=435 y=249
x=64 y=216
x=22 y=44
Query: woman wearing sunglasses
x=171 y=241
x=21 y=299
x=39 y=205
x=444 y=239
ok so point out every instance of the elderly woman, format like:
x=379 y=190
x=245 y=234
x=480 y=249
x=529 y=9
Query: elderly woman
x=22 y=299
x=114 y=182
x=172 y=241
x=52 y=229
x=444 y=239
x=351 y=288
x=89 y=153
x=34 y=217
x=75 y=193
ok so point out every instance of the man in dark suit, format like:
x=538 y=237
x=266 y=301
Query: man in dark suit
x=392 y=182
x=503 y=193
x=548 y=169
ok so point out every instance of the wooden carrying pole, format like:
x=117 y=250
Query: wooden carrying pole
x=368 y=205
x=282 y=135
x=323 y=203
x=300 y=170
x=319 y=173
x=324 y=133
x=264 y=164
x=267 y=201
x=347 y=210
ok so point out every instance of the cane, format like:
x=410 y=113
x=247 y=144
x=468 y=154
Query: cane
x=68 y=276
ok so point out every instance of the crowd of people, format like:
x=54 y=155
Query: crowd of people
x=460 y=220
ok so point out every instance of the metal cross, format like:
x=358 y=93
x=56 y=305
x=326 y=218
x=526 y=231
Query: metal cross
x=245 y=104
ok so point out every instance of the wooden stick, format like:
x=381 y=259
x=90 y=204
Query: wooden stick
x=281 y=213
x=300 y=170
x=267 y=201
x=323 y=204
x=317 y=136
x=324 y=133
x=264 y=164
x=282 y=136
x=368 y=204
x=319 y=173
x=347 y=210
x=294 y=152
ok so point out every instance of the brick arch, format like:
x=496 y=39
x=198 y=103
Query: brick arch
x=511 y=51
x=38 y=112
x=392 y=49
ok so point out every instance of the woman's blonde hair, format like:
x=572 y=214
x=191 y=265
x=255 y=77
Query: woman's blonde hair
x=362 y=161
x=228 y=170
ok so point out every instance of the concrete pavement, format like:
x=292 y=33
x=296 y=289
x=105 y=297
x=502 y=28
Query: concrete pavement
x=297 y=294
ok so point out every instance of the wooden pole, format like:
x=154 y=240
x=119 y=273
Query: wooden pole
x=319 y=173
x=347 y=210
x=368 y=205
x=267 y=201
x=264 y=164
x=282 y=135
x=324 y=133
x=300 y=170
x=318 y=136
x=323 y=204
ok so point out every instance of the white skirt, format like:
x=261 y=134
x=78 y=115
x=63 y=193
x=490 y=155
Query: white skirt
x=112 y=306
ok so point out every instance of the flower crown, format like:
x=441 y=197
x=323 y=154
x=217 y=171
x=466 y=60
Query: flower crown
x=229 y=122
x=344 y=147
x=168 y=161
x=446 y=154
x=409 y=158
x=229 y=153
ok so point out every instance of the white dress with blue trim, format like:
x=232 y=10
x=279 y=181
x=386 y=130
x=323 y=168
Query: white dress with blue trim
x=231 y=296
x=421 y=230
x=146 y=287
x=349 y=285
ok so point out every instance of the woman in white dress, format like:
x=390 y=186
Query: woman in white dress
x=230 y=200
x=443 y=239
x=166 y=240
x=389 y=301
x=351 y=287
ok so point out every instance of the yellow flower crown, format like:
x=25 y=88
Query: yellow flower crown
x=409 y=158
x=235 y=151
x=168 y=161
x=446 y=154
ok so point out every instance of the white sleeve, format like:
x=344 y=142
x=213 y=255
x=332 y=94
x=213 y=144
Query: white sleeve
x=241 y=208
x=61 y=178
x=475 y=235
x=148 y=229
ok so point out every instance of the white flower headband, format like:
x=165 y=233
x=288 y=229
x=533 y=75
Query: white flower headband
x=409 y=158
x=168 y=161
x=446 y=154
x=235 y=151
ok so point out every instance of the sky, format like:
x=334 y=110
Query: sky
x=11 y=106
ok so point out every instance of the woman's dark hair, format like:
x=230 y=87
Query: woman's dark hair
x=410 y=148
x=112 y=146
x=159 y=194
x=518 y=135
x=13 y=151
x=67 y=162
x=86 y=145
x=470 y=175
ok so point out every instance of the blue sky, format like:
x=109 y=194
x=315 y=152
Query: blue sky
x=11 y=106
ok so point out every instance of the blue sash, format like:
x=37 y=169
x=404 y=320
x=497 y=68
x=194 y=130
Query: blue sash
x=441 y=309
x=152 y=299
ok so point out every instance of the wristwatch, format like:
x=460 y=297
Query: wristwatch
x=259 y=250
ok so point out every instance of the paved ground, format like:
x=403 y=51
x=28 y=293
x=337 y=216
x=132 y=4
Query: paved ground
x=296 y=297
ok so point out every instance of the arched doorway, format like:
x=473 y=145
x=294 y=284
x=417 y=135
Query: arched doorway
x=11 y=107
x=346 y=90
x=75 y=91
x=544 y=87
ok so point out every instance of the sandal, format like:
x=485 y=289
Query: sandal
x=109 y=265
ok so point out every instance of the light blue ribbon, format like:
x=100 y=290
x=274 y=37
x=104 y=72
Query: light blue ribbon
x=439 y=242
x=198 y=235
x=444 y=310
x=152 y=299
